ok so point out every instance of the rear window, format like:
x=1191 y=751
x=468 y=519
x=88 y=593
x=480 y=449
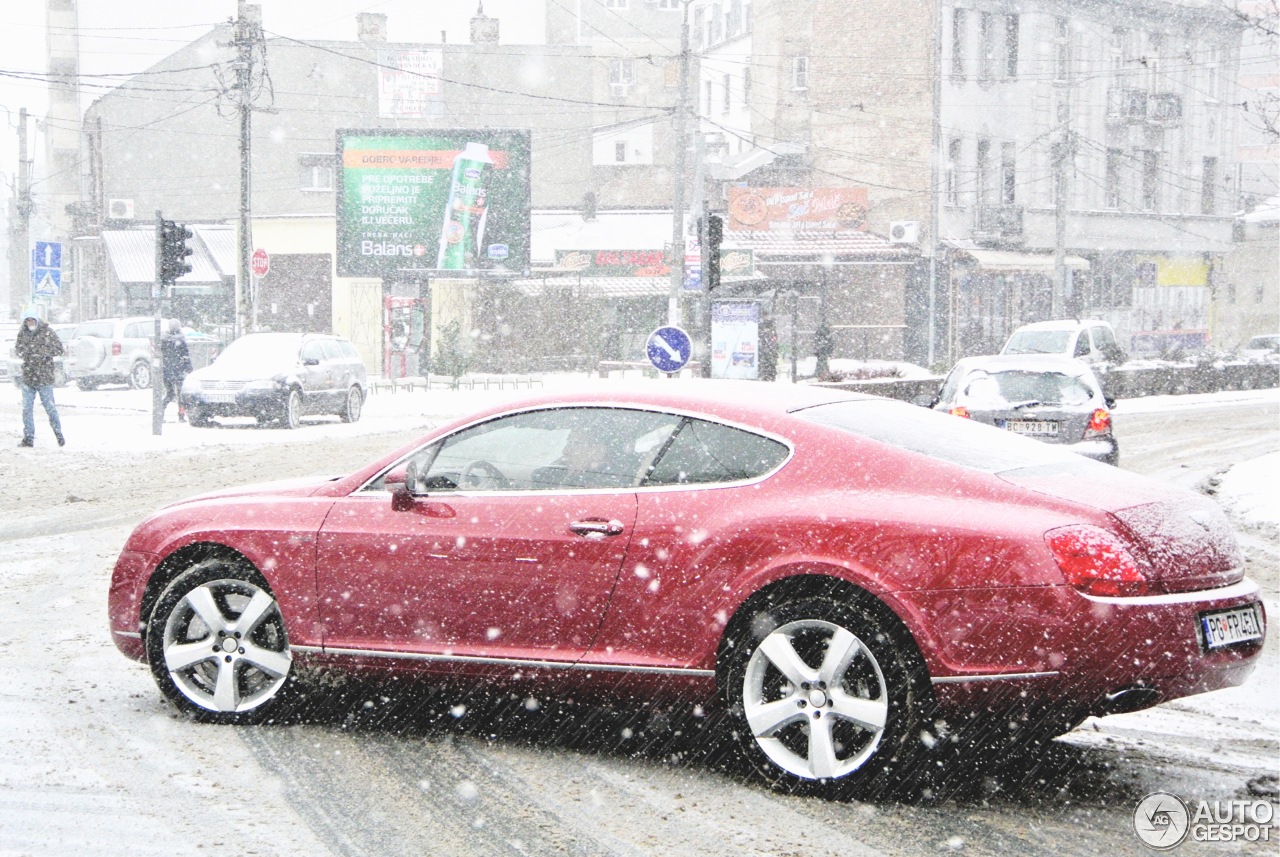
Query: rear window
x=1039 y=342
x=100 y=329
x=939 y=435
x=1021 y=387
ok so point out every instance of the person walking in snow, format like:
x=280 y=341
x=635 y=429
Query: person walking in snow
x=175 y=355
x=37 y=345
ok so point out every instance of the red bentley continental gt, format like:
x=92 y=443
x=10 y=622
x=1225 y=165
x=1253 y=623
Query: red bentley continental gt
x=838 y=573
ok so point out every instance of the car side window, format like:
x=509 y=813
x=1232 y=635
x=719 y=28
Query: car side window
x=1082 y=344
x=547 y=450
x=313 y=350
x=138 y=330
x=1103 y=338
x=331 y=350
x=705 y=452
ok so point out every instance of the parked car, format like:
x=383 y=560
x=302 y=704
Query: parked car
x=1091 y=341
x=1052 y=399
x=278 y=377
x=1262 y=349
x=829 y=575
x=113 y=351
x=11 y=366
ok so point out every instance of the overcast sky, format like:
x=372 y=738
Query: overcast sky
x=119 y=36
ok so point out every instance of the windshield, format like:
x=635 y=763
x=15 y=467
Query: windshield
x=260 y=351
x=1038 y=342
x=994 y=389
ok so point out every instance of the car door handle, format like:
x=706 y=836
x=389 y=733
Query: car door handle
x=596 y=528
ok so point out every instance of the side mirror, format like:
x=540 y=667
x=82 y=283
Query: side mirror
x=404 y=487
x=310 y=361
x=925 y=400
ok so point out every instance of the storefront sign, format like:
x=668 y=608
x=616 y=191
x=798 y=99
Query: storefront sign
x=614 y=263
x=821 y=209
x=735 y=339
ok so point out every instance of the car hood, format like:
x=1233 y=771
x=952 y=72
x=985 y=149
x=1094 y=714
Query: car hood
x=241 y=372
x=1181 y=539
x=302 y=487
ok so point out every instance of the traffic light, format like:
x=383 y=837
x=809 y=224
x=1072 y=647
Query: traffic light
x=173 y=251
x=715 y=234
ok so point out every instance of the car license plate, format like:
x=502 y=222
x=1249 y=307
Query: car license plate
x=1227 y=627
x=220 y=398
x=1037 y=427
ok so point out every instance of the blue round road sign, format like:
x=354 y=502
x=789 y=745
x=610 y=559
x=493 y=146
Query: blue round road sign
x=668 y=349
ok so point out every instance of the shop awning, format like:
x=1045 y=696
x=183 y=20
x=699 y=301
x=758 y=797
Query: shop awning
x=1010 y=260
x=608 y=287
x=801 y=247
x=132 y=255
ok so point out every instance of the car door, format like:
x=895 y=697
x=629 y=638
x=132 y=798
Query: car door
x=313 y=374
x=490 y=563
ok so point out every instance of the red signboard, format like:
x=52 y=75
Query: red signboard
x=260 y=263
x=818 y=209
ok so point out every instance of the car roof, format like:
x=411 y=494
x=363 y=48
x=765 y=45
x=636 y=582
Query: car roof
x=1064 y=324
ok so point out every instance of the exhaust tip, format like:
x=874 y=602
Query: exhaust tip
x=1127 y=699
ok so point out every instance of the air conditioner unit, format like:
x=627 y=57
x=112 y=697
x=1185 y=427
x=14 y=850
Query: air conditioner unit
x=120 y=209
x=904 y=232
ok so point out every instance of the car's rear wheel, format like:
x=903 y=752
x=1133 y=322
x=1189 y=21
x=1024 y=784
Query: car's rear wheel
x=825 y=697
x=140 y=375
x=352 y=406
x=217 y=645
x=87 y=384
x=291 y=414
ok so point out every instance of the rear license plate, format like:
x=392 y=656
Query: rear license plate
x=1037 y=427
x=1228 y=627
x=220 y=398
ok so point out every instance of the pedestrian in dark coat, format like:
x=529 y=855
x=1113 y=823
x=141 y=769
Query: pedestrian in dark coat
x=37 y=345
x=176 y=357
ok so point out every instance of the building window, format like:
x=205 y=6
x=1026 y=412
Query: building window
x=699 y=36
x=620 y=151
x=717 y=24
x=1061 y=50
x=315 y=171
x=1008 y=173
x=1111 y=189
x=728 y=92
x=983 y=172
x=615 y=4
x=734 y=25
x=668 y=4
x=1209 y=187
x=1011 y=45
x=958 y=23
x=622 y=74
x=746 y=87
x=1150 y=180
x=987 y=46
x=955 y=150
x=799 y=72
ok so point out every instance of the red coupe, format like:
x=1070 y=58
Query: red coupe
x=839 y=574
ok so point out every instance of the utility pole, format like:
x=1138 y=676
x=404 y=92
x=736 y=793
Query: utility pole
x=248 y=35
x=677 y=196
x=20 y=228
x=1063 y=162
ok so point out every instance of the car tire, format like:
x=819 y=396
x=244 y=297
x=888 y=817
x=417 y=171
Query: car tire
x=353 y=405
x=217 y=646
x=197 y=417
x=140 y=376
x=810 y=722
x=291 y=412
x=87 y=384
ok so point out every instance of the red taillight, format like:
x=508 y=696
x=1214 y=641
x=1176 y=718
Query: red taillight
x=1099 y=422
x=959 y=411
x=115 y=348
x=1096 y=562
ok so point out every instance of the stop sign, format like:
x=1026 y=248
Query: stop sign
x=261 y=263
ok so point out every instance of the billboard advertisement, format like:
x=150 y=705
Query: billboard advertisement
x=433 y=202
x=797 y=209
x=409 y=83
x=735 y=339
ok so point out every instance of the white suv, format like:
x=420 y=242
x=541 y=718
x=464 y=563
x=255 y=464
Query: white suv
x=1091 y=341
x=113 y=351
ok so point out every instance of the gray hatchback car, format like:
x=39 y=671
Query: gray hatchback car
x=1049 y=398
x=278 y=378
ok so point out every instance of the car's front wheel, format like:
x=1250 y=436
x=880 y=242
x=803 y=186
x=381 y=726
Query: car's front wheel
x=140 y=375
x=197 y=416
x=352 y=406
x=825 y=696
x=291 y=414
x=217 y=645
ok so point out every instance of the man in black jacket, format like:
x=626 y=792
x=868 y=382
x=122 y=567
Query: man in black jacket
x=37 y=345
x=176 y=357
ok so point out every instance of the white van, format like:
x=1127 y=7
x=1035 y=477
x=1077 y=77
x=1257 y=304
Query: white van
x=1090 y=340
